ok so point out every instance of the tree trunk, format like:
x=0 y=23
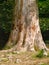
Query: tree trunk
x=26 y=34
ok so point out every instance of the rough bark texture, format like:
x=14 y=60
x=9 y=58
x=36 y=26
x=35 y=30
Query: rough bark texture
x=26 y=34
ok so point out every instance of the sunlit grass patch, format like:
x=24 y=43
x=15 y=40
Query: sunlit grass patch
x=43 y=64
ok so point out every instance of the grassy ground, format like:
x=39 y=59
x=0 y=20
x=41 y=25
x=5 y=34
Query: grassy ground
x=27 y=58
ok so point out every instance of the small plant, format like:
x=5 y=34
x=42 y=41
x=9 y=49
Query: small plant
x=40 y=54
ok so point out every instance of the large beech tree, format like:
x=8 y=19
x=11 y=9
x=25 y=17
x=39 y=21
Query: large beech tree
x=26 y=34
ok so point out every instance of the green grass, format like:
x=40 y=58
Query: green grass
x=40 y=53
x=43 y=64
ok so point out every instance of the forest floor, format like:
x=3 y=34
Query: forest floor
x=25 y=58
x=22 y=58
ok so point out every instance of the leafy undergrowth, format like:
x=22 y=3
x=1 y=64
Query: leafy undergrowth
x=25 y=58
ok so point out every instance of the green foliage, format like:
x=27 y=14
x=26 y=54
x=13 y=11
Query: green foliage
x=44 y=17
x=44 y=24
x=40 y=54
x=44 y=8
x=6 y=14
